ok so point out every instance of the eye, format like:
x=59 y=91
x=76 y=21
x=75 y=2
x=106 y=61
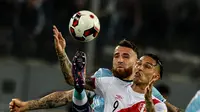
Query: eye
x=116 y=55
x=147 y=66
x=126 y=56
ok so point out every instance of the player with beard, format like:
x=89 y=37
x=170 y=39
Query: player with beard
x=61 y=98
x=123 y=68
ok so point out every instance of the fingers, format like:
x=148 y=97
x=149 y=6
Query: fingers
x=11 y=103
x=60 y=36
x=152 y=81
x=57 y=34
x=55 y=28
x=12 y=106
x=147 y=89
x=14 y=110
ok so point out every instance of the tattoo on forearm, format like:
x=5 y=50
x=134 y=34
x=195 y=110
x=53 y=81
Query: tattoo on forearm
x=149 y=106
x=66 y=66
x=52 y=100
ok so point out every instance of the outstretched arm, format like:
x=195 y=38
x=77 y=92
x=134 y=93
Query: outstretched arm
x=53 y=100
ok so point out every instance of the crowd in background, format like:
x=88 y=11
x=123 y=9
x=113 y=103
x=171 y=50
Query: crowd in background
x=159 y=23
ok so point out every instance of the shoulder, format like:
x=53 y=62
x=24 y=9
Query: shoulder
x=159 y=105
x=102 y=72
x=198 y=93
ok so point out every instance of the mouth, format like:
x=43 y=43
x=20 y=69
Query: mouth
x=137 y=74
x=120 y=67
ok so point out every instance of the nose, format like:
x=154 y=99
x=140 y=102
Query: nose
x=120 y=60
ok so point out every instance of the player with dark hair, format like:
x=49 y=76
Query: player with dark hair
x=63 y=97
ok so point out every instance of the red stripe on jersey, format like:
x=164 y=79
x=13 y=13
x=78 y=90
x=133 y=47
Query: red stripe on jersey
x=138 y=107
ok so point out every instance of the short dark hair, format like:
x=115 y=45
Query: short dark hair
x=158 y=62
x=129 y=44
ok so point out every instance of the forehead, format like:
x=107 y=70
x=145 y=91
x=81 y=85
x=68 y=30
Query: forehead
x=120 y=49
x=147 y=59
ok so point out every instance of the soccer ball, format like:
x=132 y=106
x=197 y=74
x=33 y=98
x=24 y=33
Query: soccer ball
x=84 y=26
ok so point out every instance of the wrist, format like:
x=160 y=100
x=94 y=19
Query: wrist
x=25 y=106
x=62 y=55
x=148 y=100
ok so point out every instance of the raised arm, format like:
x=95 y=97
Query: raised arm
x=53 y=100
x=65 y=63
x=150 y=107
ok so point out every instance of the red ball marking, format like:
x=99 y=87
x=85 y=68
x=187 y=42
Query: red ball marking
x=75 y=23
x=72 y=30
x=78 y=13
x=92 y=16
x=87 y=33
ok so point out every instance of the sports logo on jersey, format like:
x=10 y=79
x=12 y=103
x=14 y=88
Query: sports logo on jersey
x=141 y=107
x=118 y=97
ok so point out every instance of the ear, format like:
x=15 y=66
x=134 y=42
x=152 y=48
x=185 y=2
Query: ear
x=156 y=76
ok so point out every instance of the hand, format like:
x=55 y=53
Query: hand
x=59 y=41
x=17 y=105
x=148 y=90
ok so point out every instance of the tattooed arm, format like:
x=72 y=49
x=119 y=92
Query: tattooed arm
x=66 y=67
x=65 y=64
x=53 y=100
x=149 y=106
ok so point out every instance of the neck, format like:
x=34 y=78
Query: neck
x=140 y=88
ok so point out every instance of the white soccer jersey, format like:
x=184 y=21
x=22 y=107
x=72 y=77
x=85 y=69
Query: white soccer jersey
x=119 y=96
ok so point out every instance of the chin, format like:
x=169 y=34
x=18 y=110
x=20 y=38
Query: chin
x=136 y=81
x=121 y=73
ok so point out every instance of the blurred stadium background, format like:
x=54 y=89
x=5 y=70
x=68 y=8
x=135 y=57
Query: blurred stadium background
x=29 y=68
